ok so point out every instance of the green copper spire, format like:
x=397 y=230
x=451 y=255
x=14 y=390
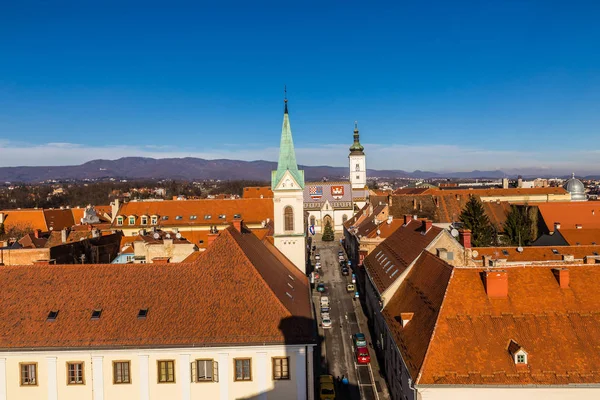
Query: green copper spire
x=356 y=147
x=287 y=155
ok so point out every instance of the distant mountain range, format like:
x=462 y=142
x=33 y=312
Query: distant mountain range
x=200 y=169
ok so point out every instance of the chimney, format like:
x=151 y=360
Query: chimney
x=504 y=183
x=486 y=261
x=390 y=199
x=464 y=238
x=407 y=219
x=1 y=218
x=160 y=260
x=562 y=277
x=414 y=204
x=95 y=232
x=237 y=224
x=390 y=218
x=63 y=235
x=212 y=236
x=496 y=284
x=568 y=257
x=557 y=226
x=37 y=233
x=370 y=209
x=590 y=259
x=175 y=197
x=406 y=317
x=426 y=225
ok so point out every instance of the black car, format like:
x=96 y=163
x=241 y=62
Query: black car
x=343 y=264
x=345 y=271
x=314 y=248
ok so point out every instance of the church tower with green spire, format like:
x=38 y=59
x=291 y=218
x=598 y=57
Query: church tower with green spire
x=358 y=162
x=287 y=183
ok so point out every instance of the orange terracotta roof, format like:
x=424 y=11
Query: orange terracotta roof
x=55 y=238
x=192 y=258
x=570 y=214
x=257 y=192
x=28 y=219
x=236 y=294
x=493 y=192
x=406 y=191
x=497 y=212
x=196 y=212
x=100 y=211
x=395 y=254
x=385 y=229
x=577 y=237
x=558 y=328
x=59 y=219
x=534 y=253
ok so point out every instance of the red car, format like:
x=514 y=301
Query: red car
x=362 y=355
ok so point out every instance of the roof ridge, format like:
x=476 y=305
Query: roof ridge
x=437 y=318
x=230 y=230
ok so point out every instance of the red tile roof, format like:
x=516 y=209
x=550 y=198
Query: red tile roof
x=395 y=254
x=569 y=214
x=534 y=253
x=258 y=192
x=25 y=219
x=237 y=293
x=577 y=237
x=252 y=211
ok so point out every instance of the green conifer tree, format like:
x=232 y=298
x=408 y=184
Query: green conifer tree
x=518 y=225
x=328 y=235
x=474 y=218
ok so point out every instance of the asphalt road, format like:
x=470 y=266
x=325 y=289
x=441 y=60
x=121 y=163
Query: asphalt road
x=337 y=347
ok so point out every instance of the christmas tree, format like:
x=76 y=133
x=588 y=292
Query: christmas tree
x=328 y=232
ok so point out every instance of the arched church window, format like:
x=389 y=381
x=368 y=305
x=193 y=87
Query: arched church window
x=312 y=220
x=344 y=218
x=288 y=219
x=358 y=167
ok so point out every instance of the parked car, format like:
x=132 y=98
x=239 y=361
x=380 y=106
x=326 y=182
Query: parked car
x=345 y=271
x=359 y=340
x=317 y=257
x=356 y=295
x=341 y=258
x=321 y=287
x=314 y=248
x=324 y=300
x=326 y=323
x=317 y=276
x=362 y=355
x=340 y=253
x=353 y=278
x=325 y=315
x=343 y=263
x=326 y=390
x=349 y=263
x=317 y=265
x=350 y=288
x=325 y=309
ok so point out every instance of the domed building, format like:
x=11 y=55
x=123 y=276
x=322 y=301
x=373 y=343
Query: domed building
x=576 y=188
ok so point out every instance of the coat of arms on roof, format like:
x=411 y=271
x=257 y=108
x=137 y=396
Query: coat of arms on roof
x=316 y=192
x=337 y=192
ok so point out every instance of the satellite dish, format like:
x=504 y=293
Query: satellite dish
x=378 y=232
x=475 y=253
x=454 y=232
x=520 y=249
x=156 y=235
x=178 y=235
x=168 y=236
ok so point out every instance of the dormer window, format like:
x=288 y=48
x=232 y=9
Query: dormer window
x=517 y=352
x=207 y=216
x=131 y=220
x=193 y=217
x=154 y=220
x=222 y=216
x=521 y=359
x=179 y=217
x=119 y=221
x=144 y=220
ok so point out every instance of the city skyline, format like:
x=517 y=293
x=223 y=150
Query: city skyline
x=450 y=88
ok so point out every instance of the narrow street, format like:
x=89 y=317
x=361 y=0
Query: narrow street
x=337 y=349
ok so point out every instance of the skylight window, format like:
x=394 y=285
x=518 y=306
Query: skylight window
x=52 y=315
x=207 y=216
x=555 y=251
x=96 y=313
x=193 y=217
x=165 y=217
x=221 y=216
x=505 y=252
x=142 y=313
x=394 y=273
x=237 y=215
x=178 y=217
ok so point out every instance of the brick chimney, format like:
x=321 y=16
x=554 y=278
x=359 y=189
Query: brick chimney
x=426 y=225
x=63 y=235
x=562 y=277
x=407 y=219
x=390 y=199
x=160 y=260
x=486 y=261
x=237 y=224
x=464 y=238
x=496 y=284
x=557 y=226
x=212 y=236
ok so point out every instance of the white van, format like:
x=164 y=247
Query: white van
x=324 y=301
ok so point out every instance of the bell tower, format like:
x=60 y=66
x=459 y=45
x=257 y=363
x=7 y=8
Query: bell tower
x=358 y=162
x=287 y=183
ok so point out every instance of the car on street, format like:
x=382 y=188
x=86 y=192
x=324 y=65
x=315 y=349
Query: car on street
x=325 y=309
x=325 y=315
x=326 y=323
x=362 y=355
x=359 y=340
x=314 y=248
x=353 y=278
x=345 y=271
x=349 y=262
x=343 y=263
x=317 y=257
x=356 y=295
x=324 y=300
x=340 y=253
x=350 y=288
x=326 y=388
x=341 y=258
x=321 y=287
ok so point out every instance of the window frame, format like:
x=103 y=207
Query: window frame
x=288 y=219
x=158 y=370
x=35 y=368
x=212 y=370
x=154 y=220
x=274 y=366
x=74 y=363
x=144 y=220
x=129 y=219
x=242 y=379
x=114 y=363
x=120 y=221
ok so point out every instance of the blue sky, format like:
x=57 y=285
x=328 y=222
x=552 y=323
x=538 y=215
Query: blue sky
x=435 y=85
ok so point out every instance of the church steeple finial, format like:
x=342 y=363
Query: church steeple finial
x=285 y=111
x=356 y=147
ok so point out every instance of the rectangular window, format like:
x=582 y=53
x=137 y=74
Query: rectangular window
x=28 y=374
x=131 y=220
x=243 y=369
x=520 y=358
x=121 y=372
x=120 y=221
x=144 y=220
x=75 y=373
x=154 y=220
x=206 y=371
x=281 y=368
x=166 y=371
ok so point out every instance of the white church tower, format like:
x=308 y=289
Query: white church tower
x=287 y=184
x=358 y=163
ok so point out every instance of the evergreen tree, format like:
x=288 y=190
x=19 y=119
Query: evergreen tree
x=328 y=235
x=518 y=225
x=474 y=218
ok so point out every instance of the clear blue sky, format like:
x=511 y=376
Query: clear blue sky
x=437 y=85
